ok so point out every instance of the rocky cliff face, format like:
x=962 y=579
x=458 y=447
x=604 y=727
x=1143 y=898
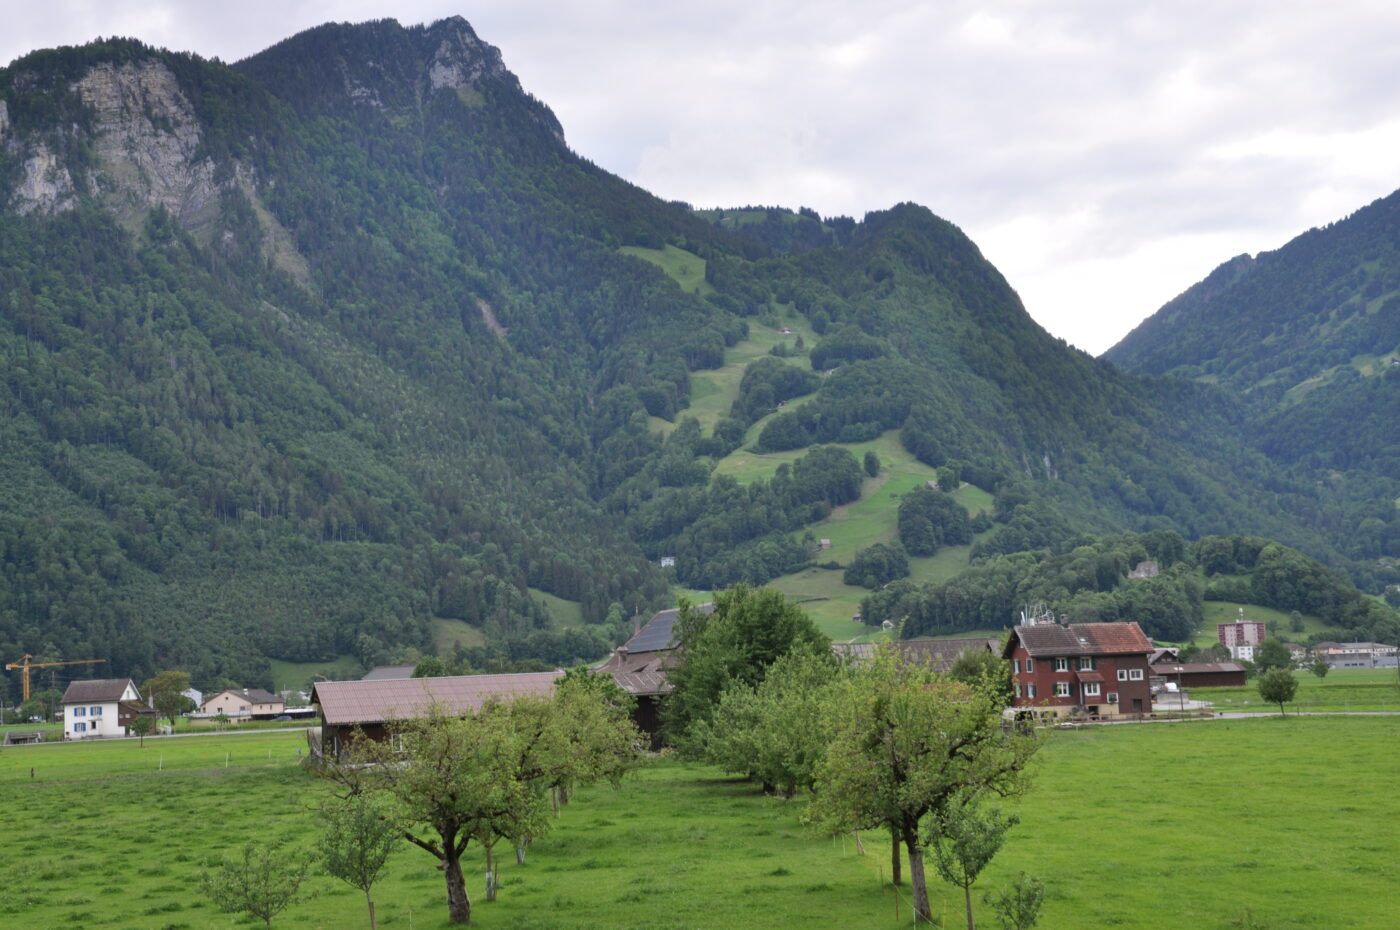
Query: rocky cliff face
x=144 y=138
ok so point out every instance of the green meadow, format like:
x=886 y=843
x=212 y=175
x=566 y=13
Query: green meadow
x=1243 y=823
x=1345 y=689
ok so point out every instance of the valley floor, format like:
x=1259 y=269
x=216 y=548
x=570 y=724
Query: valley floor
x=1279 y=823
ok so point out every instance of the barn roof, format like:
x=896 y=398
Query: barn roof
x=1196 y=668
x=939 y=654
x=658 y=633
x=96 y=689
x=351 y=702
x=1080 y=639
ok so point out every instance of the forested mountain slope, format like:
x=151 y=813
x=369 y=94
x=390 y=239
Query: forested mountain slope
x=302 y=354
x=1310 y=336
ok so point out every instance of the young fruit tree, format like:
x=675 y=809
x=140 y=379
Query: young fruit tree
x=909 y=743
x=360 y=835
x=964 y=840
x=1277 y=686
x=448 y=780
x=263 y=884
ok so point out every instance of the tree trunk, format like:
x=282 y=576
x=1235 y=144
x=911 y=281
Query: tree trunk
x=967 y=895
x=918 y=880
x=490 y=872
x=895 y=877
x=520 y=855
x=459 y=906
x=370 y=902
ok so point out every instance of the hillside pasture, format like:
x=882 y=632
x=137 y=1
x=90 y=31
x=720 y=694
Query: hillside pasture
x=1308 y=843
x=293 y=676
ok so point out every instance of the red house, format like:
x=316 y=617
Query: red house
x=1099 y=669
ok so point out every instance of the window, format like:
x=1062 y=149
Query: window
x=1030 y=664
x=1062 y=664
x=1016 y=666
x=1019 y=691
x=1122 y=674
x=95 y=711
x=80 y=712
x=1030 y=692
x=1135 y=674
x=1113 y=697
x=80 y=728
x=1091 y=689
x=1061 y=689
x=1086 y=663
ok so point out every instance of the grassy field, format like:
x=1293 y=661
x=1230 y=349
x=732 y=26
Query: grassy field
x=1345 y=689
x=685 y=268
x=1285 y=823
x=566 y=614
x=287 y=676
x=448 y=632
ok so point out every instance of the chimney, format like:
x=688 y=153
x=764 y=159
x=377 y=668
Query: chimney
x=622 y=652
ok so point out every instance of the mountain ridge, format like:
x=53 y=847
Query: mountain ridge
x=367 y=352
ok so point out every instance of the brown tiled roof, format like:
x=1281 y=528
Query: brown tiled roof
x=350 y=702
x=1080 y=639
x=97 y=689
x=259 y=696
x=1087 y=675
x=939 y=654
x=639 y=672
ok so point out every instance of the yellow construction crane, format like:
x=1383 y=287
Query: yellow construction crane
x=25 y=665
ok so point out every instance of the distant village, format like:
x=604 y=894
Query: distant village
x=1060 y=672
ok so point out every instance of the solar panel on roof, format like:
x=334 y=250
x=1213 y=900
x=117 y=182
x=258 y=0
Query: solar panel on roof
x=658 y=634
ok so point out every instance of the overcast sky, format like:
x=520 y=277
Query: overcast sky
x=1104 y=155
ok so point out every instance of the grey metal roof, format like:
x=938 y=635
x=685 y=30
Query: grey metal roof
x=351 y=702
x=389 y=672
x=657 y=635
x=96 y=689
x=939 y=654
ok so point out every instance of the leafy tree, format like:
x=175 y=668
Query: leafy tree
x=142 y=727
x=776 y=732
x=1320 y=668
x=872 y=463
x=360 y=835
x=1272 y=654
x=907 y=745
x=1295 y=622
x=877 y=565
x=981 y=667
x=929 y=520
x=1277 y=686
x=1018 y=907
x=263 y=884
x=450 y=780
x=165 y=692
x=749 y=630
x=964 y=840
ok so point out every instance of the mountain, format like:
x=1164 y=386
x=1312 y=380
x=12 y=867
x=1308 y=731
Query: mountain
x=1309 y=337
x=340 y=350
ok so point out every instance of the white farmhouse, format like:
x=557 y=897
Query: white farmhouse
x=94 y=708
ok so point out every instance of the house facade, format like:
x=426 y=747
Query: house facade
x=244 y=702
x=1356 y=655
x=1094 y=669
x=95 y=708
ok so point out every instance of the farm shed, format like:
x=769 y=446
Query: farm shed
x=370 y=706
x=639 y=668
